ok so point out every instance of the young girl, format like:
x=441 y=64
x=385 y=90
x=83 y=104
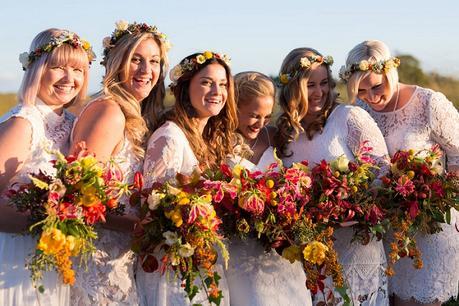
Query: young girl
x=411 y=117
x=114 y=125
x=314 y=127
x=56 y=76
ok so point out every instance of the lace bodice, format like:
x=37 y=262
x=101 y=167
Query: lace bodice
x=428 y=118
x=50 y=131
x=346 y=128
x=168 y=153
x=109 y=279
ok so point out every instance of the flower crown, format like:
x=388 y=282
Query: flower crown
x=193 y=64
x=125 y=28
x=377 y=67
x=305 y=63
x=66 y=37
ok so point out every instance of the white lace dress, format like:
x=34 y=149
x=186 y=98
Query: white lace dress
x=169 y=153
x=427 y=119
x=49 y=131
x=258 y=278
x=109 y=277
x=364 y=265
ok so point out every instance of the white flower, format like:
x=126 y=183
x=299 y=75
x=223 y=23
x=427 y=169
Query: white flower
x=226 y=59
x=175 y=73
x=24 y=59
x=364 y=65
x=329 y=60
x=107 y=42
x=58 y=187
x=305 y=62
x=167 y=44
x=122 y=25
x=186 y=250
x=175 y=260
x=171 y=238
x=154 y=199
x=341 y=164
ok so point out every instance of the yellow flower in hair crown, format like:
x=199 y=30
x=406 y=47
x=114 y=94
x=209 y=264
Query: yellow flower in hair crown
x=193 y=63
x=377 y=67
x=66 y=37
x=125 y=28
x=305 y=63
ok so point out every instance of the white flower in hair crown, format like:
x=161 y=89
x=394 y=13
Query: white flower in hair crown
x=305 y=63
x=193 y=63
x=66 y=37
x=125 y=28
x=379 y=67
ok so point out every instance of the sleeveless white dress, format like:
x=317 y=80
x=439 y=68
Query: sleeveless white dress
x=364 y=265
x=169 y=153
x=428 y=118
x=109 y=278
x=49 y=131
x=258 y=278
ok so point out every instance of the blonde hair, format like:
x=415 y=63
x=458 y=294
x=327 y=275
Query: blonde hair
x=219 y=138
x=250 y=85
x=371 y=51
x=62 y=55
x=293 y=99
x=141 y=120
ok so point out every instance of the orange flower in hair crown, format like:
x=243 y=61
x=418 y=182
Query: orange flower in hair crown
x=305 y=63
x=377 y=67
x=124 y=28
x=66 y=37
x=194 y=63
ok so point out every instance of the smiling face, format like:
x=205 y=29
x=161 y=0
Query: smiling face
x=373 y=90
x=60 y=84
x=318 y=88
x=144 y=69
x=254 y=115
x=209 y=90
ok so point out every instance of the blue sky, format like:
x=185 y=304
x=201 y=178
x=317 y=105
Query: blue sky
x=255 y=34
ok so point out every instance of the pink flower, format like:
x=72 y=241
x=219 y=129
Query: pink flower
x=250 y=201
x=67 y=211
x=413 y=209
x=438 y=188
x=374 y=215
x=404 y=186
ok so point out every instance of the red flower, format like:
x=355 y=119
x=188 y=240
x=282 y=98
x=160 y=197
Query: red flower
x=94 y=213
x=404 y=186
x=67 y=211
x=251 y=202
x=413 y=209
x=374 y=215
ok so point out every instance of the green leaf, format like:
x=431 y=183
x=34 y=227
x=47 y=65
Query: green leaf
x=346 y=298
x=448 y=216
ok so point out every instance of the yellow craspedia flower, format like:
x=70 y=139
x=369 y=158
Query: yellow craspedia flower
x=208 y=54
x=200 y=59
x=269 y=183
x=292 y=253
x=410 y=174
x=283 y=78
x=315 y=252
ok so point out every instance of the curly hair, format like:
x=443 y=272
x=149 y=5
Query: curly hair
x=219 y=138
x=141 y=118
x=293 y=100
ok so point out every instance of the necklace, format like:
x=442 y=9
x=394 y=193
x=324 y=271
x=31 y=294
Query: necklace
x=254 y=143
x=396 y=99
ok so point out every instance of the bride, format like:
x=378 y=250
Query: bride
x=254 y=276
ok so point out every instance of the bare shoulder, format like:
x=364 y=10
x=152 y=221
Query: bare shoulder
x=16 y=128
x=102 y=112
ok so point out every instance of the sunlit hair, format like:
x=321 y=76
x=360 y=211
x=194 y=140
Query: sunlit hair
x=371 y=51
x=219 y=138
x=250 y=85
x=293 y=99
x=141 y=118
x=60 y=56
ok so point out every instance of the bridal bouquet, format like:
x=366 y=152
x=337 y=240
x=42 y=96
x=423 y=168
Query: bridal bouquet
x=342 y=195
x=273 y=206
x=178 y=232
x=419 y=196
x=64 y=207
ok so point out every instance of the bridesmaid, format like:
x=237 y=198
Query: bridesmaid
x=199 y=132
x=56 y=76
x=255 y=277
x=411 y=117
x=315 y=127
x=114 y=125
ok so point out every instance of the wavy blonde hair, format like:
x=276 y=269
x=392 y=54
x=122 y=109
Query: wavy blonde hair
x=372 y=51
x=62 y=55
x=250 y=85
x=293 y=99
x=141 y=118
x=219 y=138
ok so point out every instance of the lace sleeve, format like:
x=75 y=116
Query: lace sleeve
x=444 y=122
x=361 y=127
x=163 y=160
